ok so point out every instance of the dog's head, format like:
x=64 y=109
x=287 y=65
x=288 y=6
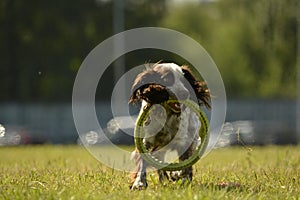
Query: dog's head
x=164 y=81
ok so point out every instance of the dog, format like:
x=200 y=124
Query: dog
x=169 y=126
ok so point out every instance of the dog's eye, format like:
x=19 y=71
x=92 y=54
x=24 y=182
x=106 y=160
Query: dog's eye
x=168 y=79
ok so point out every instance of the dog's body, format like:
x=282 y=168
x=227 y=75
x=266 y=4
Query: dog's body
x=170 y=126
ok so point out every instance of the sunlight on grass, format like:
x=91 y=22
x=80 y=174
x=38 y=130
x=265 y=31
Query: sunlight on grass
x=70 y=172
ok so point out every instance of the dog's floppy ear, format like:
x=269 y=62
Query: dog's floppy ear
x=141 y=81
x=146 y=87
x=199 y=87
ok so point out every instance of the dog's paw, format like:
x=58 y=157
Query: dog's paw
x=181 y=175
x=186 y=180
x=175 y=175
x=139 y=185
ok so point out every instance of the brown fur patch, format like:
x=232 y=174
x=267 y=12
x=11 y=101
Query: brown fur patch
x=200 y=88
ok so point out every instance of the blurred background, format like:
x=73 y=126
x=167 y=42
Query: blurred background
x=42 y=45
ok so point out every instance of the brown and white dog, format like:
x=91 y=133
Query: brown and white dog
x=169 y=125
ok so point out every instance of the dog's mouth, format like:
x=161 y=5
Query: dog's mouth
x=175 y=107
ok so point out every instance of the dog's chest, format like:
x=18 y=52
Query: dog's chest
x=164 y=127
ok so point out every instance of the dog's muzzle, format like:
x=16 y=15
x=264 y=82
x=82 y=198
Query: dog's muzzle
x=174 y=107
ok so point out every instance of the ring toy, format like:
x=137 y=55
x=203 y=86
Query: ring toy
x=139 y=134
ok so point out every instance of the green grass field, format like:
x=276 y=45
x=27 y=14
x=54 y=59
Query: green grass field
x=70 y=172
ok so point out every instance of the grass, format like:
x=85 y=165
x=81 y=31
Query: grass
x=70 y=172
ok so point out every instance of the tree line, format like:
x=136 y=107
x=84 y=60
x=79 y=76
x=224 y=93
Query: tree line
x=253 y=42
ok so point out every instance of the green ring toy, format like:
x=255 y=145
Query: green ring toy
x=146 y=155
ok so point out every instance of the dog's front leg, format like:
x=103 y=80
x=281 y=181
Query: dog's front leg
x=138 y=177
x=162 y=174
x=186 y=175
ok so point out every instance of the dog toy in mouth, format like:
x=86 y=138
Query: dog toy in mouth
x=139 y=134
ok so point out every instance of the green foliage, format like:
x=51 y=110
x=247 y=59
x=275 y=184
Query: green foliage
x=70 y=172
x=253 y=42
x=43 y=43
